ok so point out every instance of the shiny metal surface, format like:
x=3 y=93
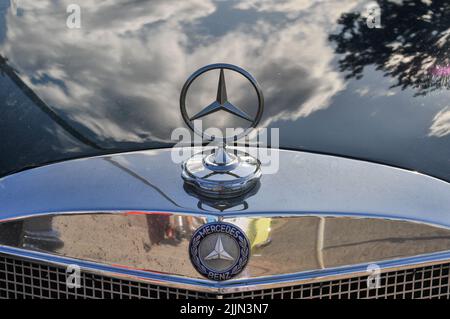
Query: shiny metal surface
x=219 y=181
x=305 y=183
x=154 y=246
x=326 y=218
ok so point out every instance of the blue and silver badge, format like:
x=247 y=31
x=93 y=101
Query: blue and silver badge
x=219 y=251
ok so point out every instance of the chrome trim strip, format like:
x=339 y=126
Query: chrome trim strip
x=228 y=216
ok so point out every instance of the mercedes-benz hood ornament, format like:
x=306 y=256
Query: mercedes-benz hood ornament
x=222 y=173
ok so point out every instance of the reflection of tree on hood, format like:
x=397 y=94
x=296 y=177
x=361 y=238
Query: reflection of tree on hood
x=412 y=44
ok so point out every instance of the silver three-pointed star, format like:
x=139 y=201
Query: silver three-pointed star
x=221 y=103
x=219 y=252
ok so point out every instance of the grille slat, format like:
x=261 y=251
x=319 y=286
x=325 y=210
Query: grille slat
x=28 y=279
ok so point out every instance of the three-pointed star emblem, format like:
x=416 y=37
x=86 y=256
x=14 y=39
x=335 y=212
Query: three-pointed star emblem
x=222 y=103
x=219 y=252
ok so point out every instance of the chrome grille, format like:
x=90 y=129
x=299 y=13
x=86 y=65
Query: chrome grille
x=415 y=283
x=29 y=279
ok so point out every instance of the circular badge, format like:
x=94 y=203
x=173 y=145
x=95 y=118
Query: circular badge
x=219 y=251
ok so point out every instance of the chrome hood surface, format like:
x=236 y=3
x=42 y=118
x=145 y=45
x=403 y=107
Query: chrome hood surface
x=151 y=181
x=113 y=85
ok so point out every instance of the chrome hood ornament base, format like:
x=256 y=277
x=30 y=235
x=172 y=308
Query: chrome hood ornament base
x=233 y=178
x=222 y=173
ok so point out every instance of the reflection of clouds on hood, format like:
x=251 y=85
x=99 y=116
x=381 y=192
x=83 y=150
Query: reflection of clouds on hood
x=291 y=7
x=119 y=77
x=110 y=75
x=303 y=83
x=301 y=56
x=441 y=123
x=126 y=15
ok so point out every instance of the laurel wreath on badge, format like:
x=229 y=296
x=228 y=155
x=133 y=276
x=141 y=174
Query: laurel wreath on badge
x=195 y=258
x=242 y=261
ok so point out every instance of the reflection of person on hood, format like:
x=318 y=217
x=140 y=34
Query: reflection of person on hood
x=157 y=227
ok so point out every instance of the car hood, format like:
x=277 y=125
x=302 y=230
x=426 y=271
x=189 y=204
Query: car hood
x=332 y=82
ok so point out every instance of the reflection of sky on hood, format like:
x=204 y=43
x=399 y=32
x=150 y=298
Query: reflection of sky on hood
x=117 y=80
x=119 y=77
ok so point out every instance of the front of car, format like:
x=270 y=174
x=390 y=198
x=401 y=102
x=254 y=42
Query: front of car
x=224 y=149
